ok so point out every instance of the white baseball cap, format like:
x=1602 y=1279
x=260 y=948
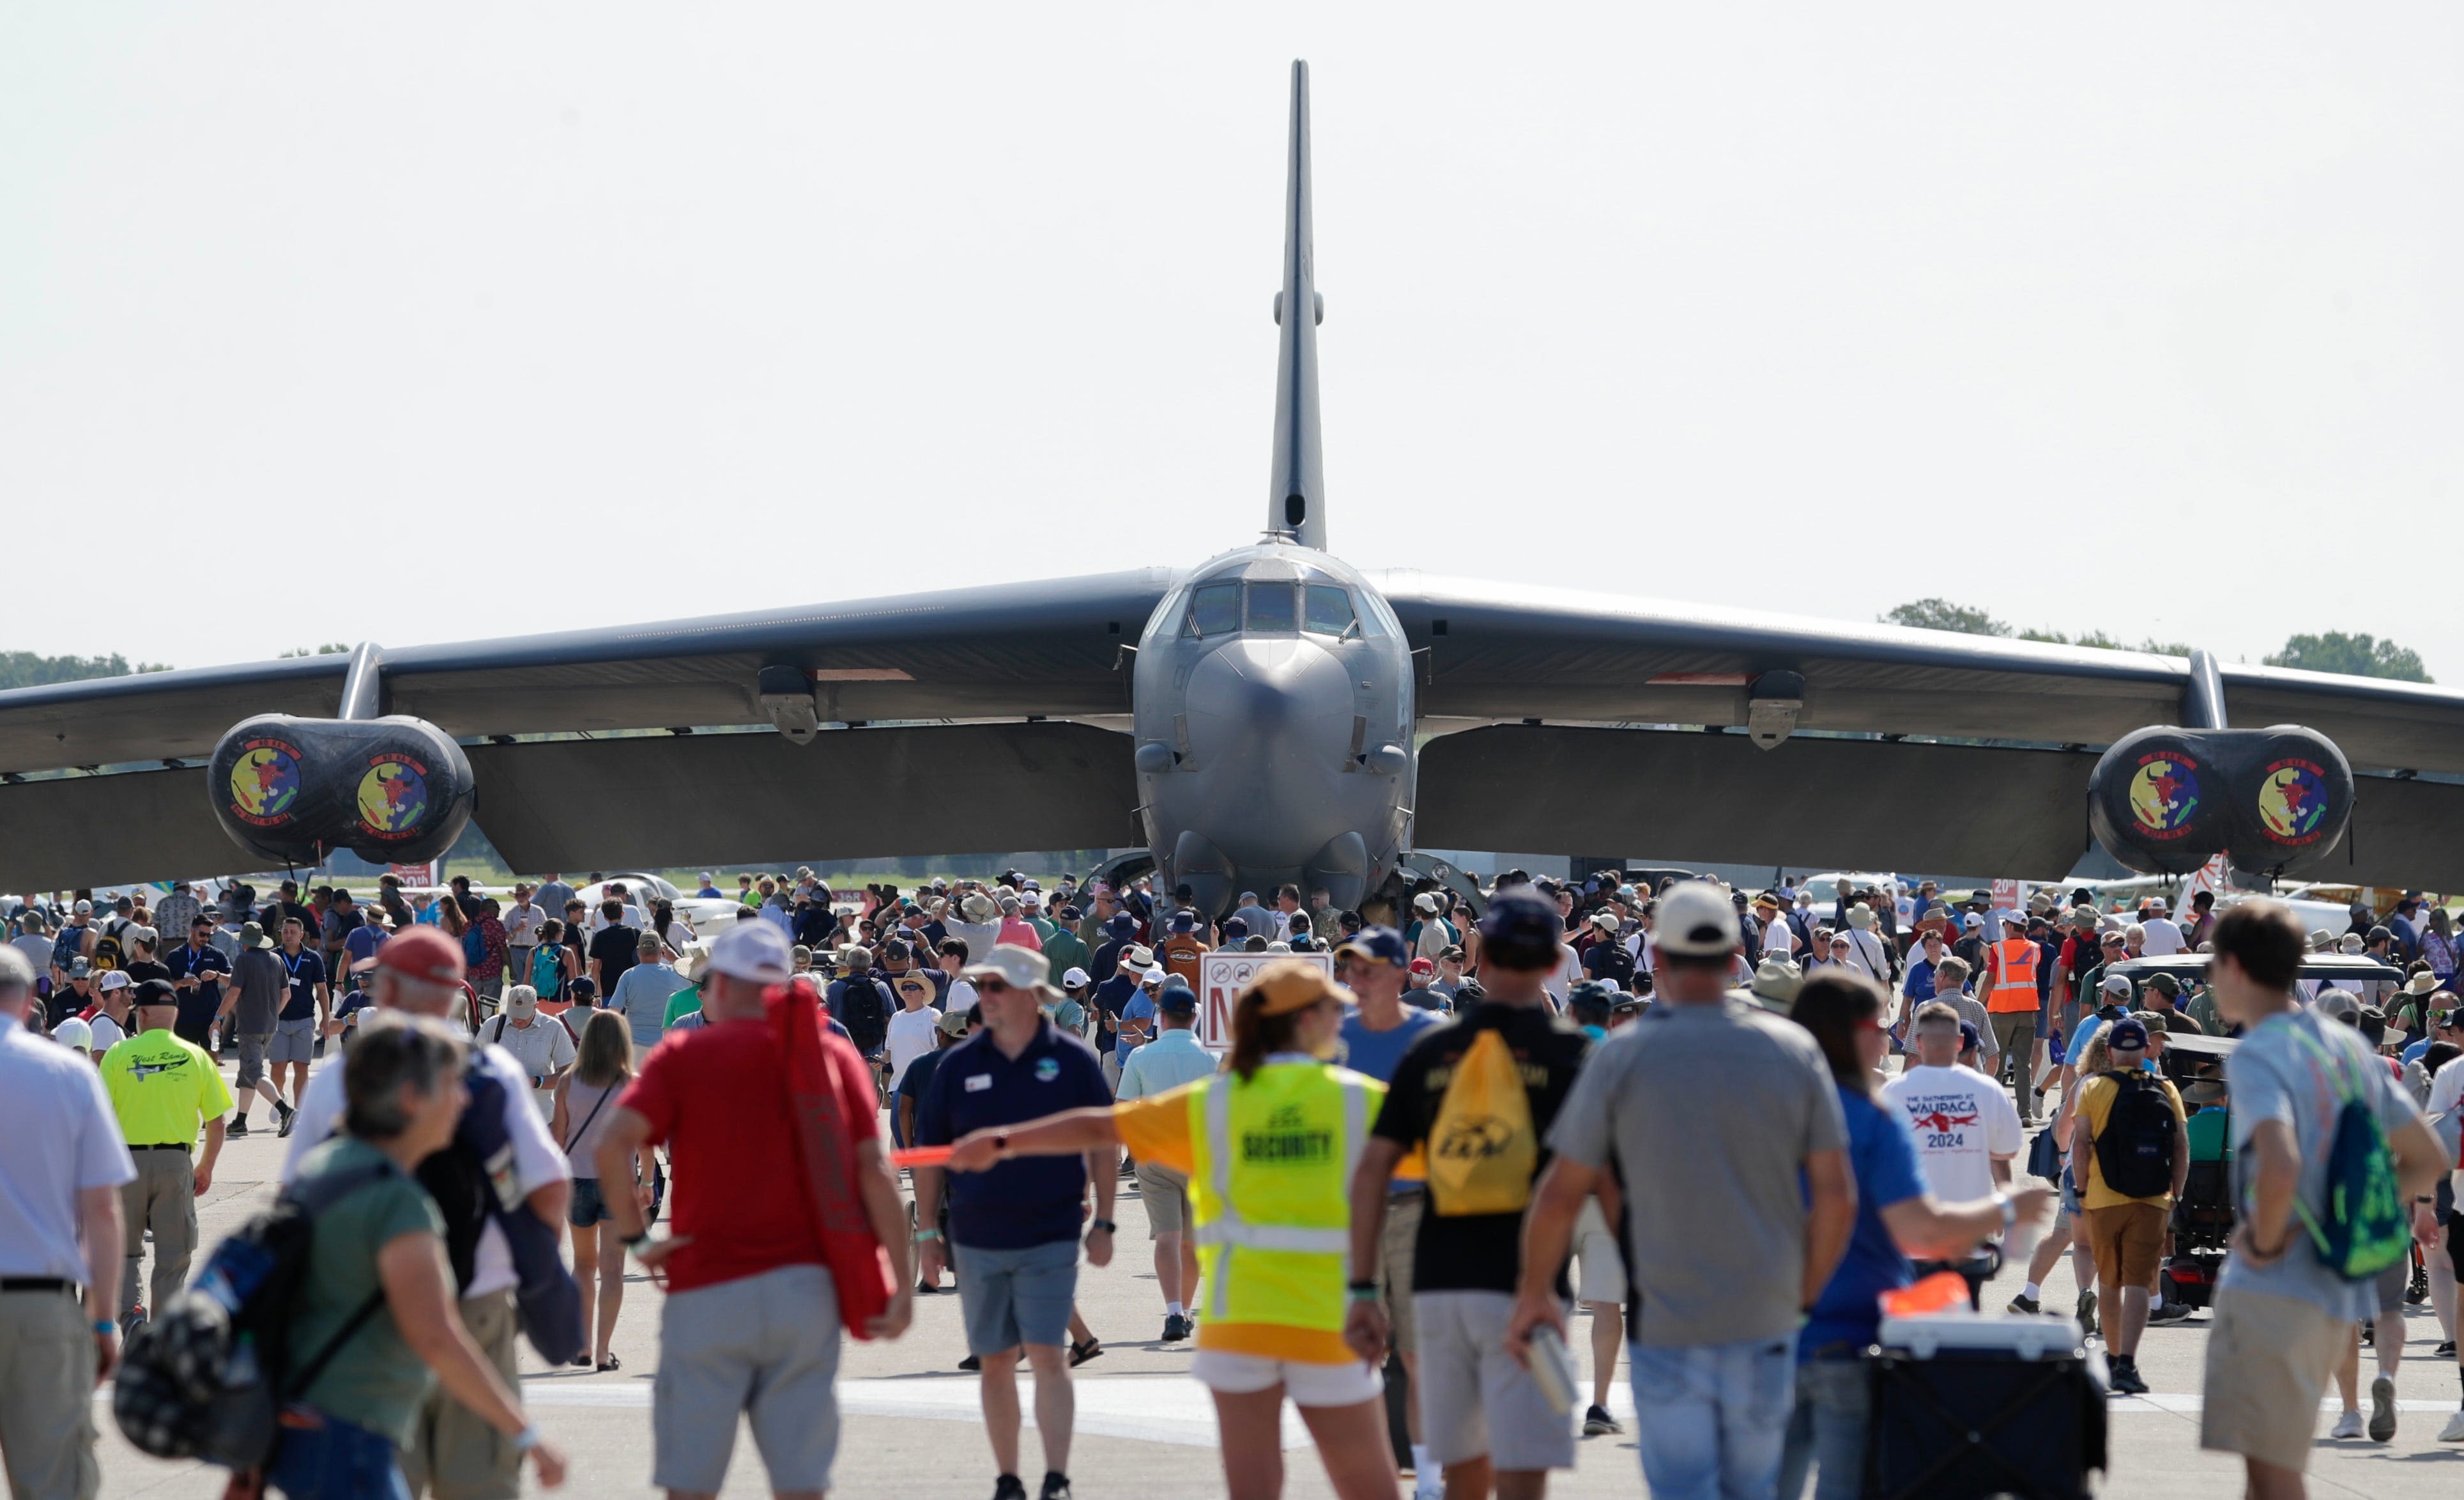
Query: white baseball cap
x=755 y=952
x=114 y=979
x=1696 y=920
x=1076 y=977
x=73 y=1032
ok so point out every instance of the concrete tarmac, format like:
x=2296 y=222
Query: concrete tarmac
x=912 y=1427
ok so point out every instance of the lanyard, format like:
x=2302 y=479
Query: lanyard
x=293 y=964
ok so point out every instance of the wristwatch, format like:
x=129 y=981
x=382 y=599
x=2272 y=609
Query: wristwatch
x=1105 y=1224
x=1000 y=1143
x=635 y=1243
x=2010 y=1209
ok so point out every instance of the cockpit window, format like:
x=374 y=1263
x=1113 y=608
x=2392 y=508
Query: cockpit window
x=1271 y=608
x=1330 y=609
x=1215 y=609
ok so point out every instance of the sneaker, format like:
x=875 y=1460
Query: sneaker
x=2085 y=1312
x=131 y=1321
x=2370 y=1332
x=2024 y=1305
x=2125 y=1378
x=970 y=1364
x=1009 y=1486
x=1056 y=1486
x=2382 y=1409
x=1175 y=1328
x=2169 y=1312
x=2445 y=1351
x=2348 y=1425
x=290 y=1118
x=2454 y=1431
x=1598 y=1422
x=238 y=1128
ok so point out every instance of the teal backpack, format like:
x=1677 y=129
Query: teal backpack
x=2361 y=1228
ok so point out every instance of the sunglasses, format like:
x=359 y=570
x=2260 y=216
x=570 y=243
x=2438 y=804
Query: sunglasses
x=994 y=986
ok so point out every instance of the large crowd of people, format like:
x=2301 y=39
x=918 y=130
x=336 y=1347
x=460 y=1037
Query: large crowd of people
x=1729 y=1123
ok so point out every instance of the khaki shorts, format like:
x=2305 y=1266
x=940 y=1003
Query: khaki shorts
x=1595 y=1245
x=1396 y=1244
x=453 y=1455
x=1165 y=1193
x=47 y=1395
x=1307 y=1385
x=2269 y=1358
x=2129 y=1242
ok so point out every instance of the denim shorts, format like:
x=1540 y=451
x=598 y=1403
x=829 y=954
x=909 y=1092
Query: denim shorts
x=336 y=1458
x=1013 y=1297
x=589 y=1204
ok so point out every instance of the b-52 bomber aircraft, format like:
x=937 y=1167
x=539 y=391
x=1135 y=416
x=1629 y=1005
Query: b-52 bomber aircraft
x=1272 y=715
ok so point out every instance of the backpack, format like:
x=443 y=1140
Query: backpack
x=1483 y=1148
x=473 y=1181
x=2365 y=1229
x=206 y=1378
x=475 y=947
x=548 y=971
x=107 y=954
x=67 y=947
x=2134 y=1152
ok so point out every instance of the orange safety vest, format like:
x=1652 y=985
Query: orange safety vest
x=2016 y=987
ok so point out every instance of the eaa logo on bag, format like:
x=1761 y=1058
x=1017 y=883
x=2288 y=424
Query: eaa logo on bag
x=1473 y=1139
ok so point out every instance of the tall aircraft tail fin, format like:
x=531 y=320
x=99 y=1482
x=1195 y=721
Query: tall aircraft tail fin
x=1296 y=494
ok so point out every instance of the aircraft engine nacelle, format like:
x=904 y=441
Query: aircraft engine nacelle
x=393 y=790
x=2165 y=801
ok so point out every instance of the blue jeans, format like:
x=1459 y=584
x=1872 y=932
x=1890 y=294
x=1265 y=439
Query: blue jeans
x=1826 y=1432
x=1710 y=1419
x=337 y=1460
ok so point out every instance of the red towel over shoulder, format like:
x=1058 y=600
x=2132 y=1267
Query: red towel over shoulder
x=826 y=1150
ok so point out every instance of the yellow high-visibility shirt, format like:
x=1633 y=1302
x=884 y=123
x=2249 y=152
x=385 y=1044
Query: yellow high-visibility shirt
x=162 y=1088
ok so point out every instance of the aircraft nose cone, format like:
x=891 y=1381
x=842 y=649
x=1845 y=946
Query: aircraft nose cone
x=1270 y=687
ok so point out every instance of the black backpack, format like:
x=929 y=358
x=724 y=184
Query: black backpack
x=207 y=1376
x=2134 y=1152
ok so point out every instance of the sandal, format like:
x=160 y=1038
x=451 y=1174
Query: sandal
x=1080 y=1353
x=612 y=1362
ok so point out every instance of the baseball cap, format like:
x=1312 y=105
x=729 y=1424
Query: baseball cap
x=1379 y=945
x=157 y=992
x=1177 y=999
x=1525 y=919
x=2126 y=1035
x=73 y=1032
x=114 y=979
x=1014 y=964
x=1970 y=1040
x=2343 y=1005
x=755 y=952
x=2116 y=984
x=2165 y=984
x=581 y=989
x=1423 y=966
x=416 y=952
x=1694 y=922
x=1076 y=977
x=521 y=1003
x=1156 y=974
x=85 y=908
x=954 y=1024
x=80 y=968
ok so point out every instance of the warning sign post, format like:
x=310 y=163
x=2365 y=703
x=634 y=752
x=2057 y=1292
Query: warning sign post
x=1221 y=977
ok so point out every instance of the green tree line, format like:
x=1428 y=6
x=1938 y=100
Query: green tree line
x=2361 y=655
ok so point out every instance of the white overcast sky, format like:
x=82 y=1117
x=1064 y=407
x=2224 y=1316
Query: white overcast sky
x=424 y=323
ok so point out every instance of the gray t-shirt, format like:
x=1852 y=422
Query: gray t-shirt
x=2274 y=1076
x=1710 y=1111
x=263 y=986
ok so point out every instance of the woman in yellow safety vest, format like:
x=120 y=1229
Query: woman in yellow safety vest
x=1268 y=1145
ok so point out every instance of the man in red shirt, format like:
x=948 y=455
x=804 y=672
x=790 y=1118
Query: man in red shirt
x=750 y=1324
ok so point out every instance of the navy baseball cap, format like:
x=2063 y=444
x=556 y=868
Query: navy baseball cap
x=1177 y=999
x=2126 y=1035
x=1970 y=1040
x=1520 y=919
x=1382 y=944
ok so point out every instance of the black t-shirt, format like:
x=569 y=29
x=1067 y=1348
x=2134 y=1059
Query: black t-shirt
x=1478 y=1252
x=1608 y=960
x=143 y=969
x=617 y=948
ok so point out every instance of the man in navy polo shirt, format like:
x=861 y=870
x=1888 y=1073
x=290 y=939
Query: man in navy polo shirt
x=198 y=969
x=1016 y=1226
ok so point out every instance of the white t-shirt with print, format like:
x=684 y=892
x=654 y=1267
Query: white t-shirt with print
x=1960 y=1120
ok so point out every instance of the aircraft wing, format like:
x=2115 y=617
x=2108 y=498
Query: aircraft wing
x=1494 y=654
x=1009 y=651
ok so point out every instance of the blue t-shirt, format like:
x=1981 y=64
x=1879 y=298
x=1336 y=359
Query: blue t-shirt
x=2412 y=1053
x=1883 y=1156
x=1139 y=1007
x=1376 y=1053
x=362 y=942
x=306 y=972
x=197 y=1006
x=1025 y=1201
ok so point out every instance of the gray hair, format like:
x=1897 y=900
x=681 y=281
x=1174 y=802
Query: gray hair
x=394 y=1049
x=16 y=976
